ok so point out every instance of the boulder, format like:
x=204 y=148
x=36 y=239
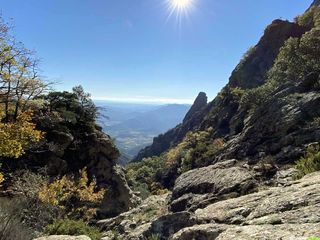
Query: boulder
x=169 y=224
x=271 y=232
x=296 y=203
x=132 y=224
x=63 y=237
x=211 y=184
x=200 y=232
x=287 y=212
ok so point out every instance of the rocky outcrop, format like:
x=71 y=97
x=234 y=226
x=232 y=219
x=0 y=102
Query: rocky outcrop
x=67 y=148
x=191 y=121
x=288 y=212
x=279 y=205
x=197 y=188
x=63 y=237
x=279 y=128
x=131 y=224
x=256 y=232
x=199 y=104
x=252 y=69
x=94 y=150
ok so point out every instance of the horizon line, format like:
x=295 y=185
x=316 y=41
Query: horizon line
x=146 y=100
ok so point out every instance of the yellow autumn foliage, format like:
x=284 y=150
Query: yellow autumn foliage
x=15 y=137
x=1 y=178
x=66 y=191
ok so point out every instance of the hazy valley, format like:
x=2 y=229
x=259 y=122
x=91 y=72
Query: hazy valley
x=133 y=126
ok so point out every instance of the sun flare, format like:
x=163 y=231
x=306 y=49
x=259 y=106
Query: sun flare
x=180 y=8
x=181 y=4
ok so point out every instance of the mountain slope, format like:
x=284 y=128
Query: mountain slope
x=164 y=141
x=221 y=112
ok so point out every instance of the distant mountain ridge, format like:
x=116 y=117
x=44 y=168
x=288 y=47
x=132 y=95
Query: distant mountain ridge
x=135 y=125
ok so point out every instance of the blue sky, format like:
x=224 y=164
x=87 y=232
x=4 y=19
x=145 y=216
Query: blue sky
x=130 y=50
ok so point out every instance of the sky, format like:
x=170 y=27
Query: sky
x=133 y=50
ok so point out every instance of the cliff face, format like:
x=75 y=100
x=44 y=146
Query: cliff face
x=252 y=69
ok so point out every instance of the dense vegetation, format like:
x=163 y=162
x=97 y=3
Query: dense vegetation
x=153 y=175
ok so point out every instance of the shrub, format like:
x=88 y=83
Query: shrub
x=314 y=238
x=154 y=237
x=255 y=97
x=11 y=226
x=15 y=137
x=297 y=58
x=34 y=213
x=310 y=18
x=77 y=197
x=199 y=147
x=310 y=162
x=73 y=228
x=142 y=175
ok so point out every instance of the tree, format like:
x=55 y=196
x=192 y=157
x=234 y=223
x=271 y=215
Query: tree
x=88 y=108
x=20 y=80
x=297 y=58
x=19 y=83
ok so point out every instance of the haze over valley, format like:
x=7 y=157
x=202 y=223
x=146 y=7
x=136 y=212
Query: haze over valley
x=134 y=125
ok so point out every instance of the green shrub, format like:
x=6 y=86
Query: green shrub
x=310 y=162
x=142 y=175
x=154 y=237
x=255 y=97
x=73 y=228
x=310 y=18
x=314 y=238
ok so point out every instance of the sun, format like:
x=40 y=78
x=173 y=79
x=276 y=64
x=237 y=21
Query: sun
x=181 y=4
x=180 y=8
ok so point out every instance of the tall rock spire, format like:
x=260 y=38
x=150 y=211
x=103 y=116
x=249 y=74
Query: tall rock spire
x=200 y=102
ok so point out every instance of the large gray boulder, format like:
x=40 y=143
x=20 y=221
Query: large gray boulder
x=298 y=203
x=290 y=211
x=271 y=232
x=64 y=237
x=200 y=187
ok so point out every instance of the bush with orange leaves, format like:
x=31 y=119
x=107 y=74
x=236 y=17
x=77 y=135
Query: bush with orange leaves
x=16 y=136
x=78 y=197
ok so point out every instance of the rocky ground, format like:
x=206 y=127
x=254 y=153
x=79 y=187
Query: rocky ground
x=288 y=211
